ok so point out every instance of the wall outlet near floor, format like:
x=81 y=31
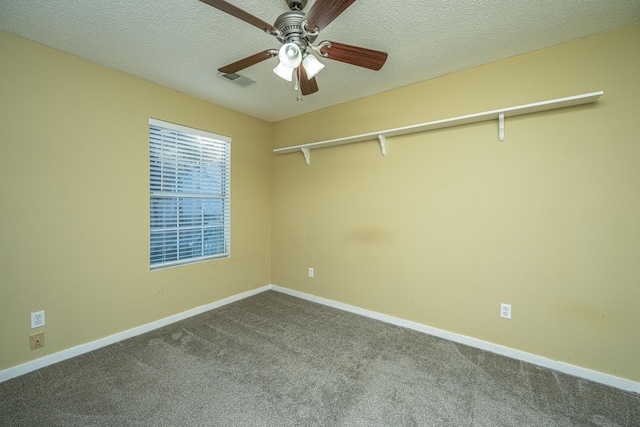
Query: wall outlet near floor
x=36 y=340
x=505 y=311
x=310 y=272
x=37 y=319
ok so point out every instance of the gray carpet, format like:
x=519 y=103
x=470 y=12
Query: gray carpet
x=275 y=360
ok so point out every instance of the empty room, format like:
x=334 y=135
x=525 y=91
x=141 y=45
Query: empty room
x=322 y=212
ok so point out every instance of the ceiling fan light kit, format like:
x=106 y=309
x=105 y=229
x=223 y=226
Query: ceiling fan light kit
x=311 y=65
x=290 y=55
x=290 y=58
x=284 y=72
x=297 y=31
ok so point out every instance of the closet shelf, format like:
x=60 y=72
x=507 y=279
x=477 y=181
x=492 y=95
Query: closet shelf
x=500 y=115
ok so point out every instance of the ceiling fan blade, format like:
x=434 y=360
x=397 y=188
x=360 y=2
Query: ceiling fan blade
x=324 y=11
x=248 y=61
x=241 y=14
x=367 y=58
x=307 y=86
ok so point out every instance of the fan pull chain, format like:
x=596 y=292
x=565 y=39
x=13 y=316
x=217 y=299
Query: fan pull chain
x=296 y=87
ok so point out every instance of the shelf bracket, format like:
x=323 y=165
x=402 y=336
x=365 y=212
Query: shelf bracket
x=383 y=144
x=307 y=155
x=501 y=127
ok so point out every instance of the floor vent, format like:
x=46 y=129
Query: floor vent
x=238 y=79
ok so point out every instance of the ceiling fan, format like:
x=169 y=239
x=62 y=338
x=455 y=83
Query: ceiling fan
x=297 y=31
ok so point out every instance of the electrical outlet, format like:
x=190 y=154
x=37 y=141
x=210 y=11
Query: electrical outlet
x=310 y=272
x=37 y=319
x=36 y=340
x=505 y=311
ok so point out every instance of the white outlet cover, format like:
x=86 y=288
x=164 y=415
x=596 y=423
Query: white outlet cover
x=505 y=311
x=310 y=272
x=37 y=319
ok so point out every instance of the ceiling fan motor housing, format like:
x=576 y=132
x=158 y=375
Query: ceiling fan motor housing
x=289 y=24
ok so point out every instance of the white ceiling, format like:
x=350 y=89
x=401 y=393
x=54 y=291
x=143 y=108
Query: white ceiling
x=181 y=43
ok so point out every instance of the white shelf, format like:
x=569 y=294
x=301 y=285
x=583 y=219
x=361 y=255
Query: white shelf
x=499 y=115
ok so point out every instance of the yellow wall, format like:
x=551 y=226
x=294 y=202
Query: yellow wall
x=452 y=223
x=74 y=201
x=441 y=231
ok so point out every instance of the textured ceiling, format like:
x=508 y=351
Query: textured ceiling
x=181 y=43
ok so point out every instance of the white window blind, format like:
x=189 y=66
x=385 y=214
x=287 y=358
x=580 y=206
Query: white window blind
x=189 y=195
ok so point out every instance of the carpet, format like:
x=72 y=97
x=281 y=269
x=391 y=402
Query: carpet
x=276 y=360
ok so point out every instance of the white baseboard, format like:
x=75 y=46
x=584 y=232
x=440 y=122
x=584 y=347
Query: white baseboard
x=16 y=371
x=566 y=368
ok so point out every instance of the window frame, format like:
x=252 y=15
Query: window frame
x=176 y=200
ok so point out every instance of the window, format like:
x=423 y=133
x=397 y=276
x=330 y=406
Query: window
x=189 y=195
